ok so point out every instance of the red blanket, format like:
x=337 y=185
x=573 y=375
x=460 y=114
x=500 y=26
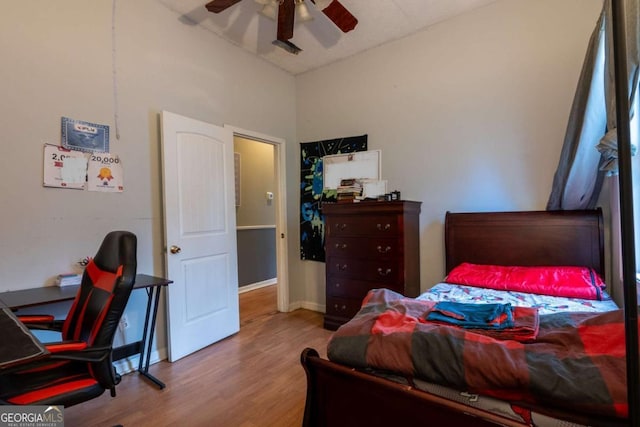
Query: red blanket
x=576 y=363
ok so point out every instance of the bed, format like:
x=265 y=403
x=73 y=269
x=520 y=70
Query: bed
x=341 y=395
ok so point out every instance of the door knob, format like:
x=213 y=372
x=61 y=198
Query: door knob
x=175 y=249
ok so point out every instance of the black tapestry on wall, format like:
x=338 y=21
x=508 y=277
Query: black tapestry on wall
x=311 y=219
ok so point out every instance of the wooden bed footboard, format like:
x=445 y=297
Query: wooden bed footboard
x=341 y=396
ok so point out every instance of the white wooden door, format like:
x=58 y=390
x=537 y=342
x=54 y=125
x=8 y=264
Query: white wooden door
x=200 y=233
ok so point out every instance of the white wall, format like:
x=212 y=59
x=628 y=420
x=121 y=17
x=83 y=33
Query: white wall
x=57 y=61
x=470 y=114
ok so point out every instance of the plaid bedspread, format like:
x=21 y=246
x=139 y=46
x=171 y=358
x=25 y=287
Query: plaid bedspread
x=577 y=362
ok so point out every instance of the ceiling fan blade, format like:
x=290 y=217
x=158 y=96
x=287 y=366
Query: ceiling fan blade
x=286 y=16
x=338 y=14
x=217 y=6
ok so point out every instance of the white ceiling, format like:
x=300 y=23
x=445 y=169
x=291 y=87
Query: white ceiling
x=380 y=21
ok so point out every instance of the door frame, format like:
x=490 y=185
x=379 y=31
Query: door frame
x=282 y=272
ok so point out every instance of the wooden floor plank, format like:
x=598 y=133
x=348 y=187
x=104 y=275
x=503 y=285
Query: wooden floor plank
x=252 y=379
x=257 y=303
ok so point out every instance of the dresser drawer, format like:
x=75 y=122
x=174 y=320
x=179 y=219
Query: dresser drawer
x=364 y=247
x=349 y=288
x=343 y=307
x=375 y=225
x=382 y=271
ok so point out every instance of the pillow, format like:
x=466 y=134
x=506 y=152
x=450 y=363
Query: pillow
x=570 y=282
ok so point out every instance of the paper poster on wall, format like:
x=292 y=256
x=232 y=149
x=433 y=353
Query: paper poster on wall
x=105 y=173
x=64 y=168
x=84 y=136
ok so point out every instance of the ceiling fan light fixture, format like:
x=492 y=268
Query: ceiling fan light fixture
x=287 y=45
x=270 y=10
x=302 y=12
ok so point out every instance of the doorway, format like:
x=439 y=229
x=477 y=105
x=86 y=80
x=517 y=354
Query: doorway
x=261 y=222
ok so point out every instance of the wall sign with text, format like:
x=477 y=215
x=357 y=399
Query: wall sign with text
x=105 y=173
x=64 y=168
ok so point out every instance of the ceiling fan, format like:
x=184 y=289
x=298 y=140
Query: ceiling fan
x=284 y=11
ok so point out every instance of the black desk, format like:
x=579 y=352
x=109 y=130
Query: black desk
x=19 y=344
x=51 y=294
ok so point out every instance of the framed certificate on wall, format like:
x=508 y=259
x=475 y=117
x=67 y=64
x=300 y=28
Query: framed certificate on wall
x=84 y=136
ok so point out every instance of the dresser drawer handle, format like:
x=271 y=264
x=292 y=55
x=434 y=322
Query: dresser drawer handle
x=383 y=227
x=341 y=267
x=341 y=226
x=341 y=246
x=337 y=285
x=343 y=307
x=384 y=272
x=384 y=250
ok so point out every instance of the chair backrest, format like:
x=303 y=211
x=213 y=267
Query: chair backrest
x=106 y=285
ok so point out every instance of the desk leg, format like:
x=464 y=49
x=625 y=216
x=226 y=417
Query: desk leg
x=153 y=297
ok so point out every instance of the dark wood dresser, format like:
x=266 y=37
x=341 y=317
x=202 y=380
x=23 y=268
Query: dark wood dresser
x=369 y=245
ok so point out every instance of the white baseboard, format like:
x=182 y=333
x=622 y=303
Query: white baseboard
x=257 y=285
x=308 y=306
x=130 y=364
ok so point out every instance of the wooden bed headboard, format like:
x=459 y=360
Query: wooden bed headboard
x=527 y=238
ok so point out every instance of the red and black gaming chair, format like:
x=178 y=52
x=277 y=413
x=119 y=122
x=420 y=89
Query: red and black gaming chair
x=80 y=367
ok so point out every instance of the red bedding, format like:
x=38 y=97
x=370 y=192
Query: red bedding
x=564 y=281
x=577 y=361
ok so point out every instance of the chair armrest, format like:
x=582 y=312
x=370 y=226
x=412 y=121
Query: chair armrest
x=60 y=353
x=65 y=346
x=86 y=354
x=36 y=318
x=44 y=322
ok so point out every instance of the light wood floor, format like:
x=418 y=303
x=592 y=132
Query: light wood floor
x=257 y=303
x=253 y=378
